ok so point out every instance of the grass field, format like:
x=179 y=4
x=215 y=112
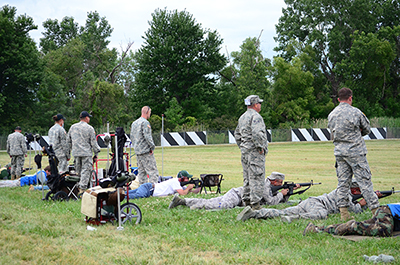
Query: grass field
x=33 y=231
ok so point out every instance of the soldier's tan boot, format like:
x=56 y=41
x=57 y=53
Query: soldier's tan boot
x=12 y=177
x=176 y=201
x=247 y=213
x=17 y=177
x=344 y=214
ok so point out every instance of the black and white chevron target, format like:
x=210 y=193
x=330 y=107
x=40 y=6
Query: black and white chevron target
x=200 y=138
x=299 y=135
x=184 y=138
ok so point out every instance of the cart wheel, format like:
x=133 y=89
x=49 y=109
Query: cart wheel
x=60 y=196
x=130 y=212
x=49 y=196
x=93 y=179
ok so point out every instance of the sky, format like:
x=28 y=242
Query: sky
x=234 y=20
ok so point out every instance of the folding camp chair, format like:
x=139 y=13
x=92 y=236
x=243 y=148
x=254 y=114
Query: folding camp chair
x=211 y=180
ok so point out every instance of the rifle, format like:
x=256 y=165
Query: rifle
x=290 y=185
x=384 y=193
x=197 y=182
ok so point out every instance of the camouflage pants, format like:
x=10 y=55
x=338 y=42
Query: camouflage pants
x=17 y=163
x=346 y=168
x=147 y=166
x=62 y=164
x=229 y=200
x=83 y=167
x=253 y=176
x=381 y=224
x=308 y=209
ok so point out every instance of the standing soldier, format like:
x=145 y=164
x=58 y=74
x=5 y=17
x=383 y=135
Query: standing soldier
x=143 y=145
x=16 y=149
x=347 y=125
x=82 y=141
x=58 y=139
x=251 y=137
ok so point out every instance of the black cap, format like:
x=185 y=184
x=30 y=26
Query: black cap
x=84 y=114
x=18 y=128
x=60 y=117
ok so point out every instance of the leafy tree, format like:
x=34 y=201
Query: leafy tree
x=174 y=114
x=20 y=67
x=328 y=27
x=367 y=69
x=56 y=35
x=292 y=96
x=177 y=60
x=246 y=75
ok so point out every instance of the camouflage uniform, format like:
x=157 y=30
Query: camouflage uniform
x=82 y=141
x=251 y=137
x=233 y=198
x=381 y=224
x=143 y=144
x=58 y=139
x=312 y=208
x=16 y=149
x=347 y=125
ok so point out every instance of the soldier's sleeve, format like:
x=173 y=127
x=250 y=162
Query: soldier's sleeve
x=132 y=134
x=8 y=145
x=69 y=141
x=238 y=136
x=146 y=128
x=64 y=143
x=23 y=146
x=355 y=207
x=269 y=198
x=364 y=125
x=259 y=133
x=93 y=142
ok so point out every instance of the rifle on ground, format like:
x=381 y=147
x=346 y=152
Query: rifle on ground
x=290 y=185
x=197 y=182
x=384 y=193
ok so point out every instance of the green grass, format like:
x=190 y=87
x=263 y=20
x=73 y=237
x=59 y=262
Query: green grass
x=36 y=232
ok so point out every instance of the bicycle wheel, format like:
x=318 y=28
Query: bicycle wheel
x=130 y=212
x=61 y=196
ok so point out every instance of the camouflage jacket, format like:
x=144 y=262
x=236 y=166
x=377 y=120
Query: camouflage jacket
x=272 y=199
x=250 y=132
x=141 y=137
x=347 y=125
x=16 y=144
x=82 y=140
x=58 y=139
x=330 y=202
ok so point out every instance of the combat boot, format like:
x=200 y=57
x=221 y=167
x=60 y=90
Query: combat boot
x=256 y=206
x=12 y=177
x=345 y=228
x=310 y=228
x=247 y=213
x=289 y=218
x=344 y=214
x=176 y=201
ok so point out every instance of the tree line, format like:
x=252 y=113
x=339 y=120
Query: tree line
x=181 y=72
